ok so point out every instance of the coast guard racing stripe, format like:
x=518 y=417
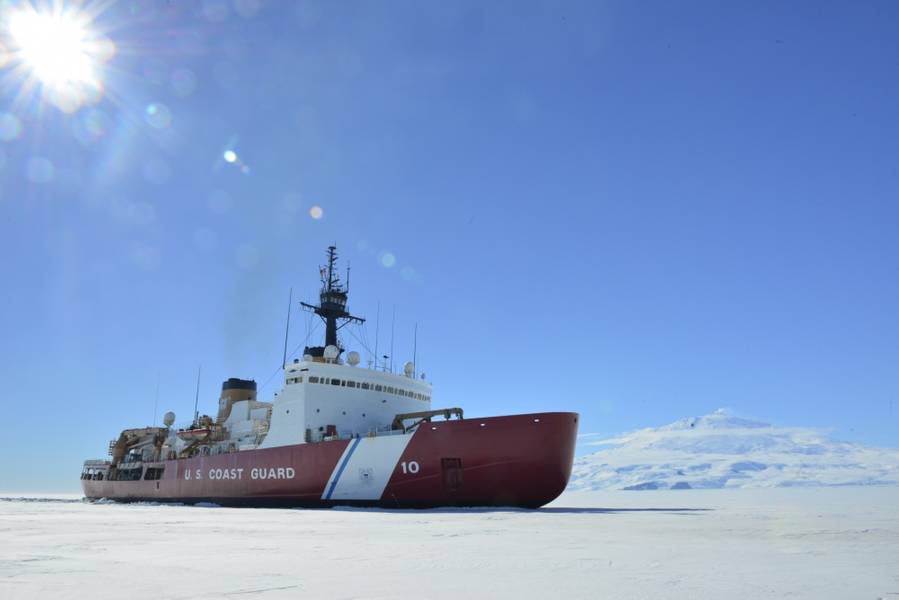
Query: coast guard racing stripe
x=365 y=468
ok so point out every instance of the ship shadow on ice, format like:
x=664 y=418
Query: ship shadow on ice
x=584 y=510
x=599 y=510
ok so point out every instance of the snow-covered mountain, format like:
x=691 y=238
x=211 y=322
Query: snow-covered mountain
x=722 y=450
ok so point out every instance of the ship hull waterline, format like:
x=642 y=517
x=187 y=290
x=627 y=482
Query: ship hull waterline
x=519 y=460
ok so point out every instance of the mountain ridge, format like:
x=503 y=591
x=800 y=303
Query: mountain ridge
x=721 y=450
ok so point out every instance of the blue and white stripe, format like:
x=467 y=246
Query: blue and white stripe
x=365 y=468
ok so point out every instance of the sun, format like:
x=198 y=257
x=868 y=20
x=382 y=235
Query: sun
x=58 y=51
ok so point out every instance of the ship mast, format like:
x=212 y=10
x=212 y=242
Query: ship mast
x=332 y=305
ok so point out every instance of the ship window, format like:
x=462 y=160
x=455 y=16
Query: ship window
x=299 y=380
x=378 y=388
x=351 y=384
x=389 y=390
x=313 y=379
x=154 y=473
x=363 y=385
x=335 y=382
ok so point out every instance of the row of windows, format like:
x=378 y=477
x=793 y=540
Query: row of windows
x=362 y=385
x=150 y=474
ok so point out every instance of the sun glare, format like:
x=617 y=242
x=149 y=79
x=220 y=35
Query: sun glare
x=58 y=51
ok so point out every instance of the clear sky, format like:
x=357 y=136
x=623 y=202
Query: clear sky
x=638 y=211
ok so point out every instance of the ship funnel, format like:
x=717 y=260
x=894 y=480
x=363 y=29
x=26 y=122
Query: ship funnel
x=234 y=390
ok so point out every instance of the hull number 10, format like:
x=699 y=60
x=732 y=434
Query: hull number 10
x=410 y=467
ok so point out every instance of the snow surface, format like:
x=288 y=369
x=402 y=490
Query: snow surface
x=749 y=543
x=722 y=450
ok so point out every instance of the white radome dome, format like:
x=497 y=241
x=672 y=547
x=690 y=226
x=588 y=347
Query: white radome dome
x=168 y=419
x=331 y=352
x=353 y=358
x=409 y=369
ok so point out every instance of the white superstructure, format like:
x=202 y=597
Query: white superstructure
x=321 y=400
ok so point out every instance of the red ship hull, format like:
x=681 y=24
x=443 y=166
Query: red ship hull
x=519 y=460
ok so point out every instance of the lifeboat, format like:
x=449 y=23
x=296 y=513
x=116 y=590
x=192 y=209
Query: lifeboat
x=194 y=435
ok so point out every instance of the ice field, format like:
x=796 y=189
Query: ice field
x=829 y=542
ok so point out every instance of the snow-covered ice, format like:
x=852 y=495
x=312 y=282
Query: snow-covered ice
x=833 y=542
x=723 y=450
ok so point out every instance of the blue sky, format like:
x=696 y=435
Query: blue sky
x=638 y=211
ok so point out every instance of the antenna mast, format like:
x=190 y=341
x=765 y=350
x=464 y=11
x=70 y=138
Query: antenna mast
x=331 y=307
x=287 y=330
x=197 y=397
x=392 y=323
x=377 y=328
x=415 y=352
x=156 y=399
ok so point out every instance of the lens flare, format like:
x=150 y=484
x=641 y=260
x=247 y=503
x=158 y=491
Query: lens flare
x=56 y=49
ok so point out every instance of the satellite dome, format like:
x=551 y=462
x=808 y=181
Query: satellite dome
x=331 y=352
x=409 y=369
x=168 y=419
x=353 y=358
x=307 y=357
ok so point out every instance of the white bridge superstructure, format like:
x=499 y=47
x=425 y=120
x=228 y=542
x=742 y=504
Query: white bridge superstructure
x=324 y=400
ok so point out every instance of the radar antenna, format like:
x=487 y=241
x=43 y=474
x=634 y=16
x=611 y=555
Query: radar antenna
x=331 y=307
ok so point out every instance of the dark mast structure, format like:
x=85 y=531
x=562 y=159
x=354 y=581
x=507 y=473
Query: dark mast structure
x=332 y=306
